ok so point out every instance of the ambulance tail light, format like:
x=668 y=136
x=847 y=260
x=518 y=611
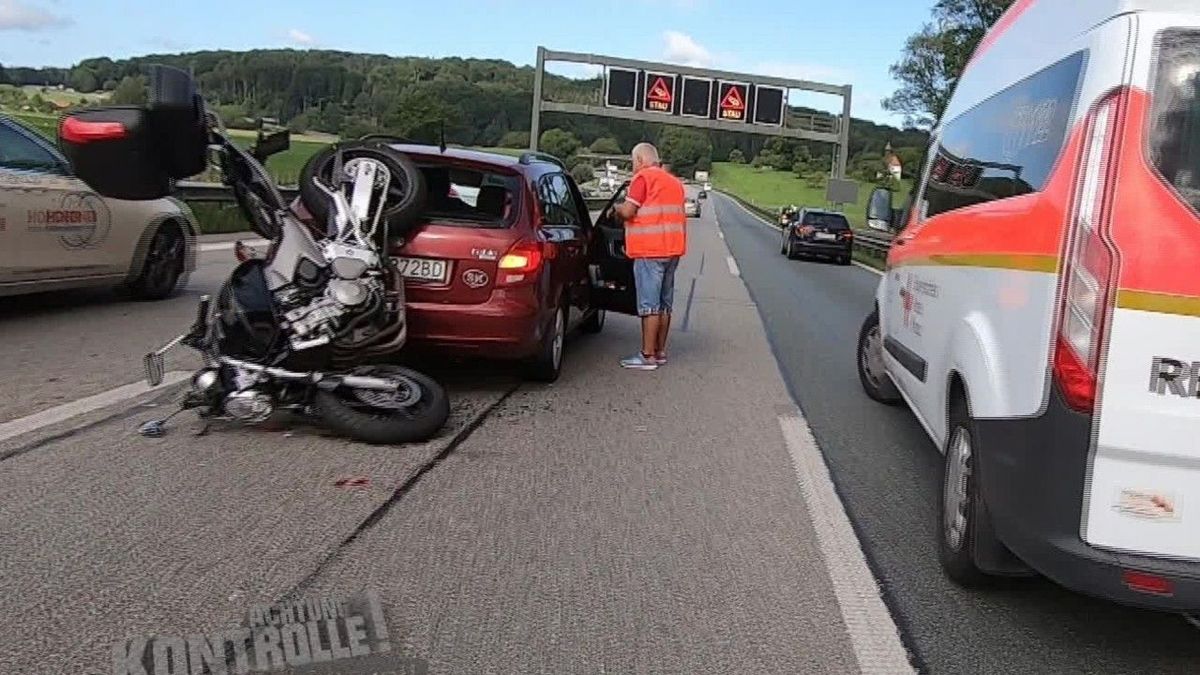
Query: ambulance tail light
x=1090 y=262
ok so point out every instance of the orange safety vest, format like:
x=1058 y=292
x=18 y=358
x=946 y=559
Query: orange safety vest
x=659 y=230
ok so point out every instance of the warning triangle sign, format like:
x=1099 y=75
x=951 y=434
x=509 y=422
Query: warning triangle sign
x=660 y=92
x=733 y=100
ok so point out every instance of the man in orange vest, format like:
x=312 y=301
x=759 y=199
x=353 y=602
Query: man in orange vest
x=655 y=238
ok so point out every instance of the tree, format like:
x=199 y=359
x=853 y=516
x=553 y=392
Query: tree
x=561 y=144
x=515 y=139
x=934 y=58
x=83 y=80
x=131 y=91
x=583 y=172
x=606 y=145
x=683 y=149
x=736 y=157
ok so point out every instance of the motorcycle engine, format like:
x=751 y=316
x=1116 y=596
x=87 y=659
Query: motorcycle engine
x=315 y=317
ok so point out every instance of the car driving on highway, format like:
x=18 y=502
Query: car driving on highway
x=508 y=272
x=1041 y=310
x=57 y=233
x=691 y=206
x=814 y=232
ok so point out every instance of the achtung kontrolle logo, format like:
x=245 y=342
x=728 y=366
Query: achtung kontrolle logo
x=317 y=636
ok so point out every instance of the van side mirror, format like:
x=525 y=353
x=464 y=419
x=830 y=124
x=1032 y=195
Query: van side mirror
x=880 y=214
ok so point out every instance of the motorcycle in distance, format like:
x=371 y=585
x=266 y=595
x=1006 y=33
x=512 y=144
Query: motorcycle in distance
x=301 y=327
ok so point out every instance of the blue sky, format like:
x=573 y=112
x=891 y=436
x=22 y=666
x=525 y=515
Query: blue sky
x=848 y=42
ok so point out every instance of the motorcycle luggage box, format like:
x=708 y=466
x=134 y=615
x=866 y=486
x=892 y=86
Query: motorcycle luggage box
x=112 y=149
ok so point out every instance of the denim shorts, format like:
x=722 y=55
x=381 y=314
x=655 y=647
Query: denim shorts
x=655 y=281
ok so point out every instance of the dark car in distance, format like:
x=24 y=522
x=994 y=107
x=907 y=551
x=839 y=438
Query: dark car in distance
x=816 y=232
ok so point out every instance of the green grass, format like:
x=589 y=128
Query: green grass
x=46 y=125
x=770 y=190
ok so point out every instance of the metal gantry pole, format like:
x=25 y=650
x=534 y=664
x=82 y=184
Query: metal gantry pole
x=844 y=133
x=535 y=121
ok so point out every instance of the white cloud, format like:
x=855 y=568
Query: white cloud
x=683 y=49
x=301 y=38
x=805 y=71
x=18 y=15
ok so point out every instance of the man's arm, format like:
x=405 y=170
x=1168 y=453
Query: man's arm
x=627 y=209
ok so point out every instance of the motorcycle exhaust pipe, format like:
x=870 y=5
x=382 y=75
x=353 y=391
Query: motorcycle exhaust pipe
x=331 y=381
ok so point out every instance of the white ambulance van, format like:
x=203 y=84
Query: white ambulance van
x=1040 y=308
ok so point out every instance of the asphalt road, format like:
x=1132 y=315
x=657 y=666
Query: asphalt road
x=887 y=472
x=616 y=521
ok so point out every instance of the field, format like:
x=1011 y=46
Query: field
x=771 y=190
x=46 y=125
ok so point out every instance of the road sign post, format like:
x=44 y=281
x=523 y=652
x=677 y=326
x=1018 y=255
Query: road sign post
x=699 y=98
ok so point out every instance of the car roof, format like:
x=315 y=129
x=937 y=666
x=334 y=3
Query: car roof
x=517 y=163
x=823 y=211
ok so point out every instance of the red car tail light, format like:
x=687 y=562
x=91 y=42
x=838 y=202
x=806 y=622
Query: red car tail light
x=523 y=259
x=1089 y=268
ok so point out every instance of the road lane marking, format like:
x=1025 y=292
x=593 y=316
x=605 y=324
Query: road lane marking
x=867 y=268
x=64 y=412
x=873 y=634
x=228 y=245
x=733 y=268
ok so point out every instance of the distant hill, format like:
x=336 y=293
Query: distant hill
x=480 y=102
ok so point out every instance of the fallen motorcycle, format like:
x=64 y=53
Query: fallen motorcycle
x=300 y=327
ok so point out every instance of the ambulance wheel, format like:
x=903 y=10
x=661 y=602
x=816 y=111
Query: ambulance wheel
x=959 y=531
x=871 y=371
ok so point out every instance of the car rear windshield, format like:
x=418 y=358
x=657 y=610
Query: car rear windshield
x=828 y=221
x=470 y=197
x=1175 y=113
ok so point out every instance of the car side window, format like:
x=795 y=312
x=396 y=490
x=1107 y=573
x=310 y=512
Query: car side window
x=19 y=151
x=558 y=207
x=1006 y=146
x=566 y=197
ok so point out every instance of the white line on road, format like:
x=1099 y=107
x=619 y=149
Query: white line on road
x=733 y=268
x=228 y=245
x=867 y=268
x=61 y=413
x=873 y=635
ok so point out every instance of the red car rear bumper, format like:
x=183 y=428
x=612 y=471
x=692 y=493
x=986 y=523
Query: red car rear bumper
x=507 y=326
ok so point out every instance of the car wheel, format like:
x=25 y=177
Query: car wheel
x=871 y=371
x=958 y=527
x=546 y=364
x=595 y=322
x=163 y=266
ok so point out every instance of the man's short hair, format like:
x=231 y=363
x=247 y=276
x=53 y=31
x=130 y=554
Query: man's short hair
x=647 y=152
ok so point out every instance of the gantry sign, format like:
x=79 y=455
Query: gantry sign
x=695 y=97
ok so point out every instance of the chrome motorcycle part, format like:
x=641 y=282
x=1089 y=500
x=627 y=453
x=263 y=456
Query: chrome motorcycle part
x=249 y=406
x=348 y=293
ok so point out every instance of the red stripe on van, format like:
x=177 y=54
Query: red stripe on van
x=1005 y=22
x=1157 y=233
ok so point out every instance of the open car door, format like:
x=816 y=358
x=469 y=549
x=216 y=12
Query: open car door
x=610 y=270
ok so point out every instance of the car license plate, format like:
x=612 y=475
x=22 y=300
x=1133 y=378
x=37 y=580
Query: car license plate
x=424 y=269
x=825 y=236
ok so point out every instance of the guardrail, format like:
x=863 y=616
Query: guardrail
x=870 y=244
x=216 y=193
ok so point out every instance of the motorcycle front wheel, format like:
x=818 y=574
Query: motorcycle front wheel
x=416 y=411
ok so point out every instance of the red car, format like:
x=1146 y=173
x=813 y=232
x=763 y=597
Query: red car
x=507 y=260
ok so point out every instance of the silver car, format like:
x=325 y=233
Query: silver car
x=56 y=233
